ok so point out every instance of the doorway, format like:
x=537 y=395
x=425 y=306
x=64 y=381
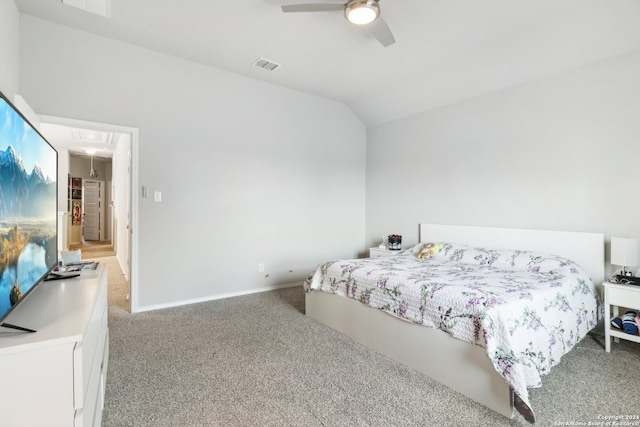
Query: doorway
x=120 y=208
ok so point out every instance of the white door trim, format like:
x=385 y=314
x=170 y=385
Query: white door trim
x=134 y=202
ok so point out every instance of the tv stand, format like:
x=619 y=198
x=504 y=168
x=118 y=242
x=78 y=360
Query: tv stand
x=56 y=376
x=19 y=328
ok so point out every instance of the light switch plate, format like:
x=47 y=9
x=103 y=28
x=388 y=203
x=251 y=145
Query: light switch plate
x=157 y=196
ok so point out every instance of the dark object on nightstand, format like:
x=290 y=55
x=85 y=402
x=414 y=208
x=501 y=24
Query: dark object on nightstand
x=627 y=280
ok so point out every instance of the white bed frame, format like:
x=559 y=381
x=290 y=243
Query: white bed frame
x=462 y=366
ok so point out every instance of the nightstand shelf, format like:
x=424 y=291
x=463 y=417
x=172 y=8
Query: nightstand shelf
x=617 y=333
x=615 y=296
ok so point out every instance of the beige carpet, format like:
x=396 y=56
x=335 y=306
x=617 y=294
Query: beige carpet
x=257 y=360
x=118 y=287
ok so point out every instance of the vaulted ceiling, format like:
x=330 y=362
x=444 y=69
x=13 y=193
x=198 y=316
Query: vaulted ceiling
x=445 y=50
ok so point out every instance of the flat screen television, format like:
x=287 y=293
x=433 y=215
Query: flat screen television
x=28 y=209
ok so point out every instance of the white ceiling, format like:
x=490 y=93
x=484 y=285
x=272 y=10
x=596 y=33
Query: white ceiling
x=78 y=140
x=445 y=50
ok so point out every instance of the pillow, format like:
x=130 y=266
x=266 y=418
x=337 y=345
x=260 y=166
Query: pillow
x=469 y=254
x=518 y=260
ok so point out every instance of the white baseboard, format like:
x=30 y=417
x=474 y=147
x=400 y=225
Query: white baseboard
x=216 y=297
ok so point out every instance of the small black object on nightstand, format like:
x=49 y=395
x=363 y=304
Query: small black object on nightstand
x=627 y=280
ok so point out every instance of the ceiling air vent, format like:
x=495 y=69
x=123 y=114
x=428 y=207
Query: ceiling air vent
x=266 y=64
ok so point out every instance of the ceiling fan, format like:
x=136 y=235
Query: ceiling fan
x=359 y=12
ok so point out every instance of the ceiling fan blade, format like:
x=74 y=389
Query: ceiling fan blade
x=380 y=30
x=312 y=7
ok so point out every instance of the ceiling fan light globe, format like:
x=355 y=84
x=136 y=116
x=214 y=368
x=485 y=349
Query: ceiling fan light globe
x=362 y=12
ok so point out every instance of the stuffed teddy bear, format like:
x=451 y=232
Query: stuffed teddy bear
x=428 y=250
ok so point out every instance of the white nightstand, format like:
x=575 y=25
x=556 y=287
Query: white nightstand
x=380 y=252
x=616 y=295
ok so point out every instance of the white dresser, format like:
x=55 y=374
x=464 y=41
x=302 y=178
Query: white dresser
x=56 y=376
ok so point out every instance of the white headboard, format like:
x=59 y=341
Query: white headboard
x=585 y=249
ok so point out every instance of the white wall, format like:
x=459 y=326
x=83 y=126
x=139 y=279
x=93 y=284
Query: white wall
x=560 y=153
x=249 y=172
x=9 y=48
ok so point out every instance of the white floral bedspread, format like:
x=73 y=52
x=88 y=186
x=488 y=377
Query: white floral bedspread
x=527 y=309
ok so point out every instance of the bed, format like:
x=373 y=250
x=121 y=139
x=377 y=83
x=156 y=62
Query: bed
x=464 y=366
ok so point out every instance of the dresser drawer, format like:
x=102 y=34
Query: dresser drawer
x=85 y=352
